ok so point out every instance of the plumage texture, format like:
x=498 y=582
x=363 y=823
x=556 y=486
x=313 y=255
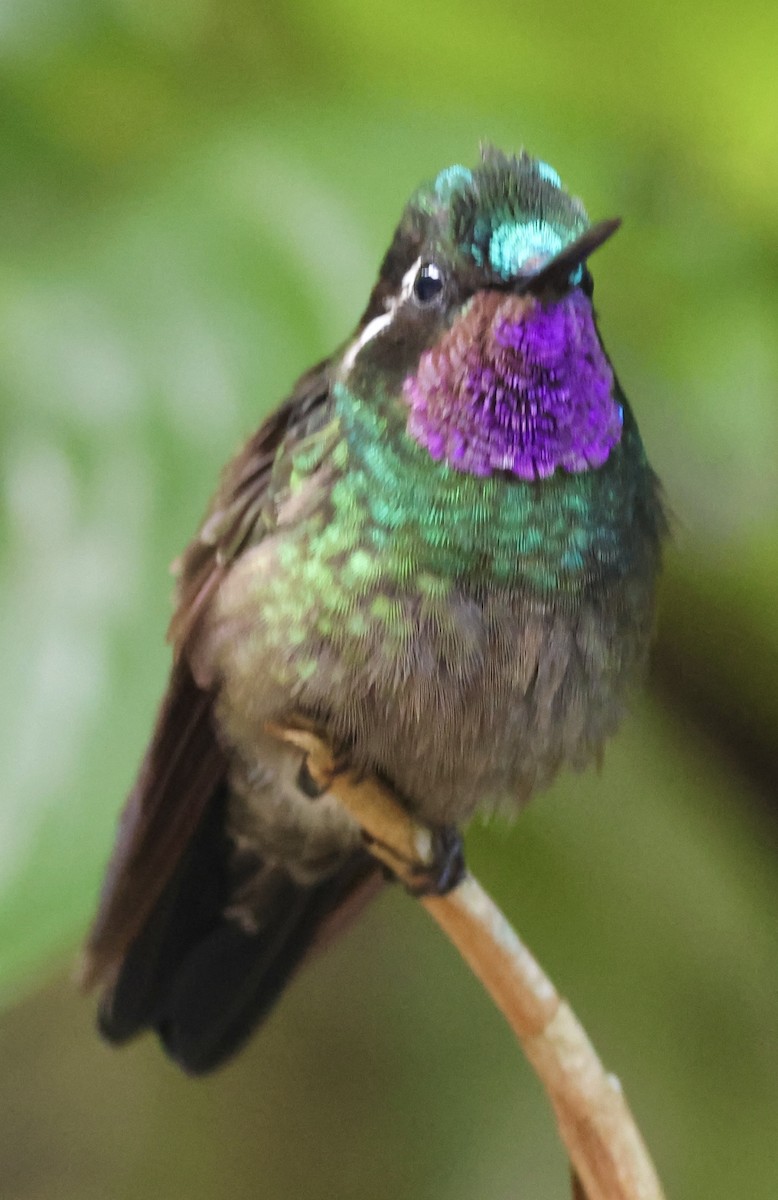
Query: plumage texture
x=441 y=550
x=517 y=387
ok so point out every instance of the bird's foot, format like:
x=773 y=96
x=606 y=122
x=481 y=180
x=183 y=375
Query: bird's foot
x=428 y=860
x=310 y=787
x=316 y=784
x=437 y=870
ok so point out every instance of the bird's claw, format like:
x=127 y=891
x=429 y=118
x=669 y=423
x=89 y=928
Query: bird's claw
x=438 y=873
x=445 y=868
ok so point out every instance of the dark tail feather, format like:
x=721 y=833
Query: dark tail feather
x=201 y=980
x=186 y=912
x=181 y=775
x=231 y=980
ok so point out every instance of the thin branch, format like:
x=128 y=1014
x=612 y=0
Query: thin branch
x=605 y=1148
x=577 y=1186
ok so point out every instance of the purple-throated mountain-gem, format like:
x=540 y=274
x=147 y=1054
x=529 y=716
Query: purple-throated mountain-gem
x=441 y=549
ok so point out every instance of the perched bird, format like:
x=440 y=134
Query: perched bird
x=441 y=550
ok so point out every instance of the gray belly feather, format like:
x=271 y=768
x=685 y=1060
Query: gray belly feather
x=477 y=709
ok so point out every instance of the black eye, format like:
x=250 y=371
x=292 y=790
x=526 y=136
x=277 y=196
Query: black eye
x=587 y=284
x=428 y=283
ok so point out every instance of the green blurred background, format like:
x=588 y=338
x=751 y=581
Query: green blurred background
x=194 y=198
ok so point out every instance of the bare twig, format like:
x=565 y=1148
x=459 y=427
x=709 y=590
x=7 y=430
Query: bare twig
x=610 y=1161
x=578 y=1188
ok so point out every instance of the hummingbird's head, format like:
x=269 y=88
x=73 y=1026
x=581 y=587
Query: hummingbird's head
x=482 y=320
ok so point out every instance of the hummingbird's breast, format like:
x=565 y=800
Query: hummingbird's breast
x=462 y=635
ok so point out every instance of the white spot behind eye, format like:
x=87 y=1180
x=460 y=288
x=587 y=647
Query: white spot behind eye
x=374 y=327
x=409 y=278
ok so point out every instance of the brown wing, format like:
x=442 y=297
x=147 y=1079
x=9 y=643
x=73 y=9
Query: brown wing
x=243 y=508
x=185 y=766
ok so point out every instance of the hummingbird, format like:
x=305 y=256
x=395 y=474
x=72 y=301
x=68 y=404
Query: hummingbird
x=440 y=550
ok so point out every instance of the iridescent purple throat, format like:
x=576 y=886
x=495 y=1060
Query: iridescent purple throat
x=517 y=386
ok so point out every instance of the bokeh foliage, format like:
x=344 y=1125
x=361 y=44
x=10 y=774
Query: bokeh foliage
x=193 y=201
